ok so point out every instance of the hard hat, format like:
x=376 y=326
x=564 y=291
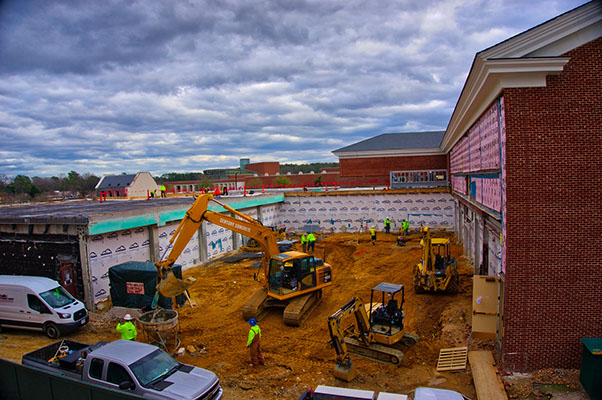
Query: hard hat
x=127 y=317
x=252 y=322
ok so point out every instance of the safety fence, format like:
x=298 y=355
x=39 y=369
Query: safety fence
x=21 y=382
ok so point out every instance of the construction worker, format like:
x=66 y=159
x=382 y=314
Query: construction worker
x=311 y=242
x=387 y=226
x=127 y=329
x=304 y=242
x=373 y=234
x=405 y=225
x=163 y=191
x=254 y=343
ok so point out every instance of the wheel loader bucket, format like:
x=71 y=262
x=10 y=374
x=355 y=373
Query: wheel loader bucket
x=170 y=286
x=345 y=372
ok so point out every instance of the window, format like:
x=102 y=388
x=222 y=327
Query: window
x=155 y=366
x=117 y=374
x=57 y=297
x=36 y=304
x=96 y=368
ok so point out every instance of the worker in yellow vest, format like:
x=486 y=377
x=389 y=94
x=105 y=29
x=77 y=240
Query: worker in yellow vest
x=311 y=242
x=127 y=329
x=163 y=191
x=373 y=234
x=254 y=343
x=304 y=242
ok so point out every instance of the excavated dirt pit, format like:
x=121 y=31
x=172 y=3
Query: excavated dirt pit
x=299 y=358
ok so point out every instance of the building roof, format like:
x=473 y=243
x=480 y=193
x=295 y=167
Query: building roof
x=396 y=141
x=122 y=214
x=115 y=181
x=524 y=60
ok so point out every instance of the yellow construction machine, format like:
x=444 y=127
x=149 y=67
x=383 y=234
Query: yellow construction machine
x=378 y=332
x=293 y=280
x=437 y=271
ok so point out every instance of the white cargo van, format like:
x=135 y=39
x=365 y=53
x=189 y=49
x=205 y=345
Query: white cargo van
x=40 y=304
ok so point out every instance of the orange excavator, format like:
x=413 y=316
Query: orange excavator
x=293 y=280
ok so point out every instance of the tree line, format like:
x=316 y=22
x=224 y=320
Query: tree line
x=22 y=188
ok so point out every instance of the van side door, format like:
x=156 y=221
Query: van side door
x=37 y=312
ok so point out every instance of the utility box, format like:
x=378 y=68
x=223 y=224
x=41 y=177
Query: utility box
x=591 y=367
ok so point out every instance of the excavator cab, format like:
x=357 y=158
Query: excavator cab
x=291 y=272
x=386 y=317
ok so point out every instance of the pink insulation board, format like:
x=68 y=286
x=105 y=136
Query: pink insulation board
x=459 y=184
x=503 y=169
x=479 y=150
x=478 y=189
x=492 y=194
x=459 y=156
x=474 y=148
x=490 y=133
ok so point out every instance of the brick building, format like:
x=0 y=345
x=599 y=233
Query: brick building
x=525 y=141
x=387 y=159
x=254 y=175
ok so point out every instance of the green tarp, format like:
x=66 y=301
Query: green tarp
x=133 y=285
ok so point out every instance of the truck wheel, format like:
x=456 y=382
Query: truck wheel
x=52 y=331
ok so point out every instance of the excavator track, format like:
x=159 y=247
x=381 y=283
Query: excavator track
x=375 y=352
x=409 y=339
x=301 y=307
x=255 y=307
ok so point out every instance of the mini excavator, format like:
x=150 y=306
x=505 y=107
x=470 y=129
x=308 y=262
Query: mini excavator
x=378 y=332
x=437 y=271
x=293 y=280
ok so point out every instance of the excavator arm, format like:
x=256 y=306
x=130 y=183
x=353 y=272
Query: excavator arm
x=426 y=263
x=198 y=213
x=344 y=368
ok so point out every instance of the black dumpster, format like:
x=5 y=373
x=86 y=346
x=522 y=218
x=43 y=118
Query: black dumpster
x=591 y=367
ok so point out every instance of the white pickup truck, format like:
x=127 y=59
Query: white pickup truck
x=137 y=368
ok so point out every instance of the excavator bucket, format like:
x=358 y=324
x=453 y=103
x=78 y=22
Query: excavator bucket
x=170 y=286
x=345 y=371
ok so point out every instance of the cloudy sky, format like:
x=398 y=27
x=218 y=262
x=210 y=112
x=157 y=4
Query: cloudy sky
x=118 y=86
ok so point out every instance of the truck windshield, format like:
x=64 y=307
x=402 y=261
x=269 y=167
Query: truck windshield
x=57 y=297
x=154 y=367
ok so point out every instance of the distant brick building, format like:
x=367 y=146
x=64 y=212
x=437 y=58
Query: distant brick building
x=256 y=175
x=372 y=161
x=525 y=143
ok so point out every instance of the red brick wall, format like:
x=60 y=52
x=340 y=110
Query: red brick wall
x=272 y=167
x=554 y=216
x=296 y=179
x=378 y=168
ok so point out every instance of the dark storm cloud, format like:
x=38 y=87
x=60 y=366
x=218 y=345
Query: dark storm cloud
x=114 y=86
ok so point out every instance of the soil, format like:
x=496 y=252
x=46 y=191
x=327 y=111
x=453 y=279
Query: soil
x=299 y=358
